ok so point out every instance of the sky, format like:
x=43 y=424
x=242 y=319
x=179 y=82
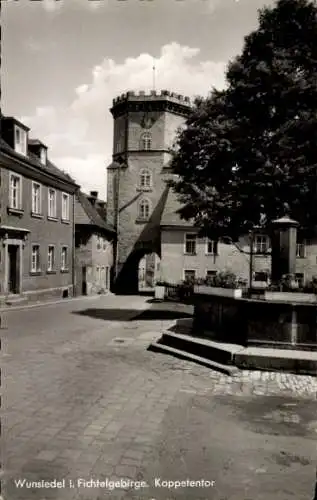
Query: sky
x=63 y=61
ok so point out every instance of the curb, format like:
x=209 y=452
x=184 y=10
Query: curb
x=51 y=303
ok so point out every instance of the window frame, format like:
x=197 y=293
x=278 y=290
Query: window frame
x=66 y=266
x=34 y=208
x=193 y=241
x=185 y=270
x=298 y=277
x=146 y=141
x=37 y=267
x=20 y=146
x=53 y=264
x=145 y=173
x=43 y=156
x=301 y=245
x=48 y=203
x=141 y=203
x=258 y=250
x=266 y=273
x=64 y=197
x=212 y=271
x=19 y=194
x=214 y=244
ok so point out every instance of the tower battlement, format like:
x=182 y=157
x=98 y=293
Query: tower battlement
x=152 y=96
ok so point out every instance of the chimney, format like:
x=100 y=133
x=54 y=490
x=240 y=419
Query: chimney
x=94 y=194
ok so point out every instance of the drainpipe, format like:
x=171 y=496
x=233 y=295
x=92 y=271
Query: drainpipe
x=73 y=252
x=251 y=236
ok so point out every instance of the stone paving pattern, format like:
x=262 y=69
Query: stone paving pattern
x=83 y=398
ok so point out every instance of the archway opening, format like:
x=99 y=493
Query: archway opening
x=148 y=272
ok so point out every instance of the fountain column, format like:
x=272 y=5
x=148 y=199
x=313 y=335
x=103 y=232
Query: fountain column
x=283 y=241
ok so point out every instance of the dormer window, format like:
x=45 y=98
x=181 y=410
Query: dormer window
x=20 y=140
x=43 y=156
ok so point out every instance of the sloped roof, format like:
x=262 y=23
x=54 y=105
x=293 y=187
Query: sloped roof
x=92 y=214
x=33 y=160
x=36 y=142
x=170 y=217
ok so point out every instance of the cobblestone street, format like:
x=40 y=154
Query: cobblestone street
x=83 y=398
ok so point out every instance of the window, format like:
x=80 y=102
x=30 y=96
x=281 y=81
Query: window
x=98 y=274
x=99 y=242
x=145 y=178
x=261 y=276
x=104 y=244
x=36 y=198
x=65 y=206
x=64 y=259
x=20 y=140
x=146 y=141
x=52 y=203
x=15 y=200
x=211 y=247
x=261 y=244
x=102 y=276
x=35 y=264
x=301 y=250
x=51 y=258
x=144 y=209
x=43 y=156
x=189 y=274
x=107 y=283
x=300 y=278
x=210 y=274
x=190 y=243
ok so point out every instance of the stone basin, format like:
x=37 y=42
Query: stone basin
x=282 y=324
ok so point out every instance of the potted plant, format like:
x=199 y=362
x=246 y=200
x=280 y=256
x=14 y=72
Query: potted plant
x=159 y=290
x=224 y=283
x=288 y=289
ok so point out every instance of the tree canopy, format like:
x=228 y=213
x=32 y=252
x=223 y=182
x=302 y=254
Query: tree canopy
x=250 y=149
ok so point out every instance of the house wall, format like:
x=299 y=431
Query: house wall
x=97 y=257
x=43 y=232
x=174 y=260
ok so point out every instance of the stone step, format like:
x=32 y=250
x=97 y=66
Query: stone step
x=207 y=349
x=229 y=358
x=15 y=300
x=226 y=369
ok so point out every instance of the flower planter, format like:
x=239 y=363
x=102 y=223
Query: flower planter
x=235 y=293
x=159 y=292
x=290 y=297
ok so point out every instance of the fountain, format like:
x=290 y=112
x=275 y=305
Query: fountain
x=275 y=332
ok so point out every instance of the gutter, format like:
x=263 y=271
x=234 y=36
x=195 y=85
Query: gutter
x=73 y=252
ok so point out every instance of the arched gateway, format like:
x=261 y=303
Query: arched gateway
x=144 y=130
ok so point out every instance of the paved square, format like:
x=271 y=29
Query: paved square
x=86 y=405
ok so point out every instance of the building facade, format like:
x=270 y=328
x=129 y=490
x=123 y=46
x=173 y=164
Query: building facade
x=94 y=240
x=144 y=130
x=37 y=220
x=144 y=209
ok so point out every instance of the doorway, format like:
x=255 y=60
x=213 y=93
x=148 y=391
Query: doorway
x=13 y=275
x=84 y=281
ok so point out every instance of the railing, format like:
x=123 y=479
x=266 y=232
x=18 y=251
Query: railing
x=178 y=292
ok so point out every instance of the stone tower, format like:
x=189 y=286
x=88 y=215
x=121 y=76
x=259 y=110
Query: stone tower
x=145 y=126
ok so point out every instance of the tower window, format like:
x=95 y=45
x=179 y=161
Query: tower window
x=146 y=141
x=145 y=178
x=144 y=209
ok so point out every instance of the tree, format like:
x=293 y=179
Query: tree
x=250 y=149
